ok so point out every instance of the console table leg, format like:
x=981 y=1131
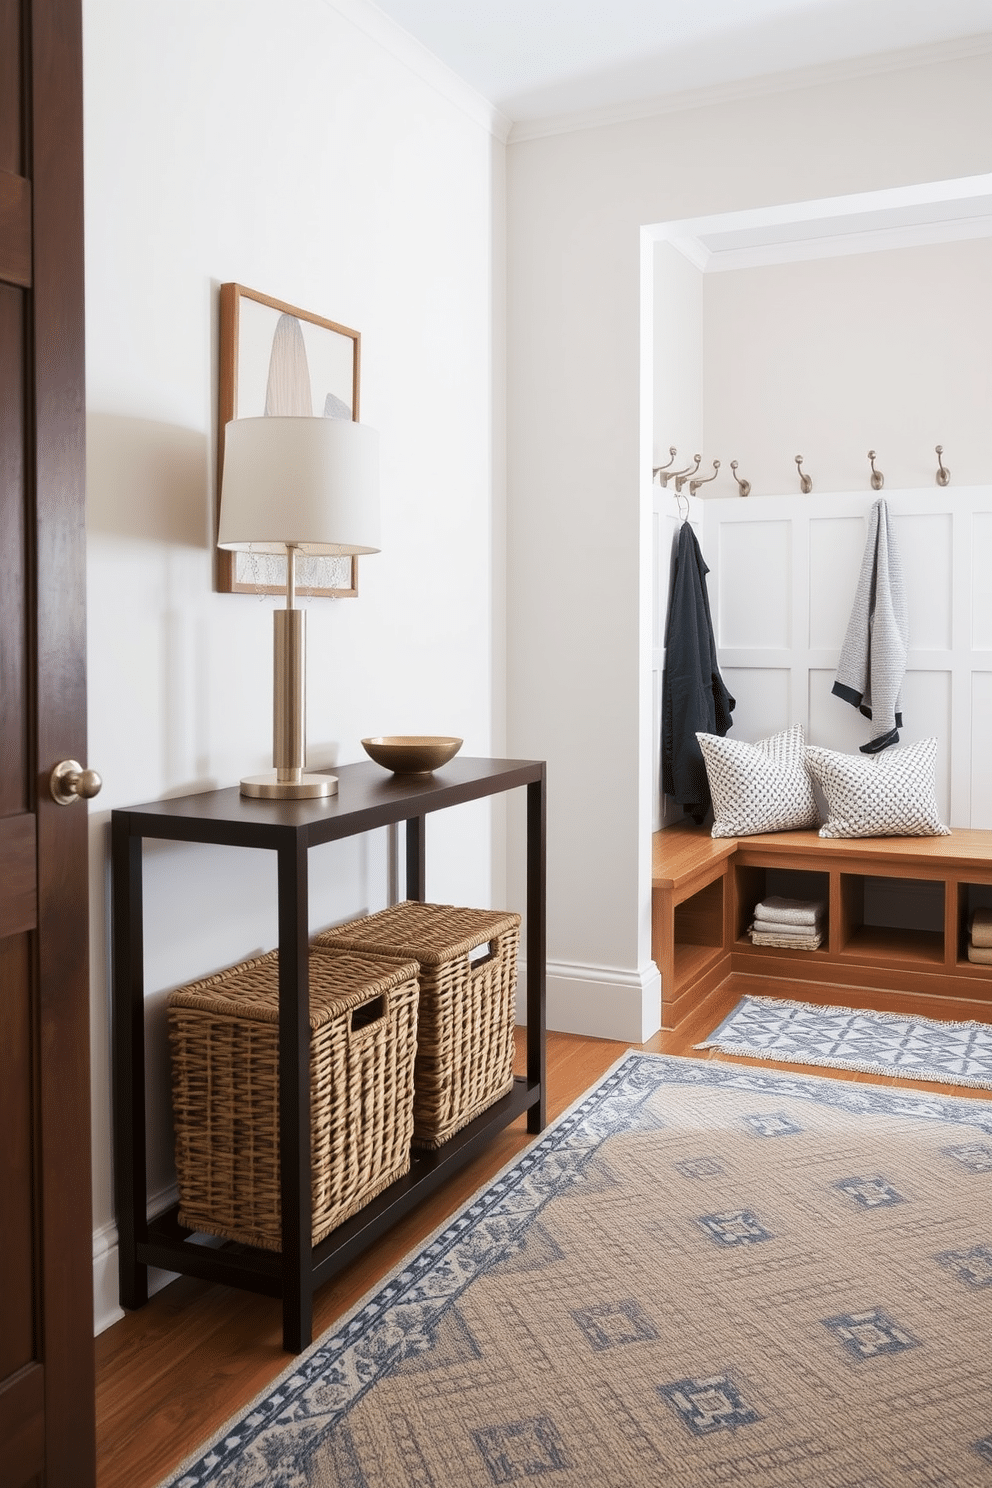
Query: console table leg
x=536 y=948
x=294 y=1098
x=416 y=859
x=297 y=1321
x=128 y=1052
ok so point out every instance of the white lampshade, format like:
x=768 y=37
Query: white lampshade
x=309 y=482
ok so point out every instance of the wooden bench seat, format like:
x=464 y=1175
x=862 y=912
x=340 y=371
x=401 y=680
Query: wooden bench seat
x=704 y=890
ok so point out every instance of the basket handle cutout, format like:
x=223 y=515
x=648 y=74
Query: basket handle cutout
x=480 y=955
x=368 y=1013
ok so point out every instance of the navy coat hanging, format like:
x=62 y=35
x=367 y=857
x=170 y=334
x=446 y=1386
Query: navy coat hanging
x=694 y=696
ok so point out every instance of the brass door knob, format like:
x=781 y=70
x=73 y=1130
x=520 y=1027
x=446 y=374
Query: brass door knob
x=69 y=781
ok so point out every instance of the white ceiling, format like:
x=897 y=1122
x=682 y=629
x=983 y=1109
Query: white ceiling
x=537 y=59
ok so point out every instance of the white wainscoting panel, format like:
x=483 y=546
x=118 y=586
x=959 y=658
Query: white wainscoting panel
x=926 y=705
x=754 y=588
x=925 y=543
x=831 y=722
x=764 y=700
x=981 y=560
x=836 y=547
x=981 y=752
x=783 y=575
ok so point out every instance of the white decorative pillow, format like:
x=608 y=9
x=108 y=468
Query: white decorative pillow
x=762 y=787
x=891 y=794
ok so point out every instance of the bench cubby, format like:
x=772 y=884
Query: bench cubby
x=970 y=896
x=698 y=931
x=753 y=884
x=896 y=919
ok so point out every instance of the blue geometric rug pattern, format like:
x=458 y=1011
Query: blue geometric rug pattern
x=700 y=1275
x=848 y=1038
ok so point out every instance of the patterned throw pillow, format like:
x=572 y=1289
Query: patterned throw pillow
x=890 y=794
x=762 y=787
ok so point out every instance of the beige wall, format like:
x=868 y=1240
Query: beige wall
x=890 y=351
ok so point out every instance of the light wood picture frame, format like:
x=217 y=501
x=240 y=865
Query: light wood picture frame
x=277 y=359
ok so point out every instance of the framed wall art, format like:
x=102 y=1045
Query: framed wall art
x=278 y=360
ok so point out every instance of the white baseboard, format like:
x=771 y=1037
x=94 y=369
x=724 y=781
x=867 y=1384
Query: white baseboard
x=106 y=1301
x=599 y=1001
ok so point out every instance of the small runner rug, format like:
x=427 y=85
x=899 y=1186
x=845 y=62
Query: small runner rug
x=878 y=1043
x=702 y=1275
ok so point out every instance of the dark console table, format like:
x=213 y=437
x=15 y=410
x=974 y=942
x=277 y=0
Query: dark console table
x=367 y=797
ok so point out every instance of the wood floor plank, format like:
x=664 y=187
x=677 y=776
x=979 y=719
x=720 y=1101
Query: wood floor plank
x=171 y=1374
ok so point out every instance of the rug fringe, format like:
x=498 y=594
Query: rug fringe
x=836 y=1007
x=778 y=1056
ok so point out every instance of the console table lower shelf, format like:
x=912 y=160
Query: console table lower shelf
x=173 y=1247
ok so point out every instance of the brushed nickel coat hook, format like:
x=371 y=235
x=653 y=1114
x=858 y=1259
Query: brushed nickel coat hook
x=805 y=481
x=683 y=475
x=877 y=478
x=678 y=475
x=943 y=474
x=704 y=480
x=744 y=486
x=659 y=469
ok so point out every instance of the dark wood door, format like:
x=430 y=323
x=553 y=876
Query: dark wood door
x=46 y=1278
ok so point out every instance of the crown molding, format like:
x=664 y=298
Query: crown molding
x=412 y=54
x=879 y=240
x=873 y=64
x=896 y=217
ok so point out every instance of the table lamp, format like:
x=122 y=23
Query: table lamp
x=292 y=485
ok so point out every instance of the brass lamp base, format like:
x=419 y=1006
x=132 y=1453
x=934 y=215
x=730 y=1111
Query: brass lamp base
x=289 y=781
x=306 y=788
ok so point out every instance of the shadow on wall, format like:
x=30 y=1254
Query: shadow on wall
x=148 y=480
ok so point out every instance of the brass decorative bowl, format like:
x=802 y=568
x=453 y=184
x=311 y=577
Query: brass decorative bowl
x=412 y=754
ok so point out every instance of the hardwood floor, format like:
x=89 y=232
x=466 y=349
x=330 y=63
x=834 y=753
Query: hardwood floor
x=171 y=1374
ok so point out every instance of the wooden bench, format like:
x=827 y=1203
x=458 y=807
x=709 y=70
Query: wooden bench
x=897 y=929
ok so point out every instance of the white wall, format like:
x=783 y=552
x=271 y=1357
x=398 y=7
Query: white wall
x=679 y=357
x=310 y=152
x=579 y=505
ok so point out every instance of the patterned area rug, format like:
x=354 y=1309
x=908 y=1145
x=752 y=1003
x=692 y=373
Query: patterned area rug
x=879 y=1043
x=702 y=1275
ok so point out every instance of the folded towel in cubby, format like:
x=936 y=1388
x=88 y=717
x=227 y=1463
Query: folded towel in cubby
x=787 y=931
x=790 y=911
x=808 y=941
x=981 y=955
x=981 y=928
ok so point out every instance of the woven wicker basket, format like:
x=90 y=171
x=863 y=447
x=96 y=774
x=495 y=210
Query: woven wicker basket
x=465 y=1034
x=224 y=1033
